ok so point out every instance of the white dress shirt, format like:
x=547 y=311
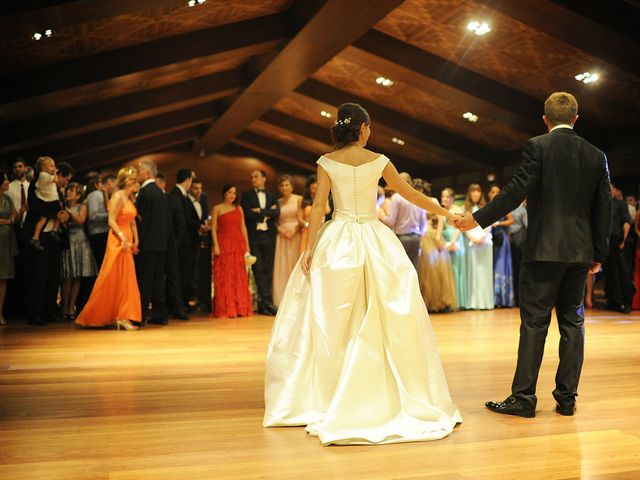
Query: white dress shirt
x=262 y=200
x=147 y=182
x=16 y=196
x=196 y=205
x=562 y=125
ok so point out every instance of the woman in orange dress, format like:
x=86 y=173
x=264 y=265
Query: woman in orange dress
x=115 y=298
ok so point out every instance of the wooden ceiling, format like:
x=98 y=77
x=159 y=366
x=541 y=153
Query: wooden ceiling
x=121 y=78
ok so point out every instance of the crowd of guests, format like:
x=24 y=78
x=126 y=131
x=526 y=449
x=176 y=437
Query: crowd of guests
x=116 y=250
x=473 y=270
x=120 y=250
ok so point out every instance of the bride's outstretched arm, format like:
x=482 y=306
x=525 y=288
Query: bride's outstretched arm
x=316 y=216
x=397 y=183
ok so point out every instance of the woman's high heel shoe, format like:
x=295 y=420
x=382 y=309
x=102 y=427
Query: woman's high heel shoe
x=126 y=324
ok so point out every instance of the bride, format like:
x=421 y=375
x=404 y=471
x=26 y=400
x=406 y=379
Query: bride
x=352 y=354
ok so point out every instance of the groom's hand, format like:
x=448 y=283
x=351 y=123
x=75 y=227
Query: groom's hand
x=466 y=222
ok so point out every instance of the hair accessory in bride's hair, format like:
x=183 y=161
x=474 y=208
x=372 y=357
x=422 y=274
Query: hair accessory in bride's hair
x=345 y=121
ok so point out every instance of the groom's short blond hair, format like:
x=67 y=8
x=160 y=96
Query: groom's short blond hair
x=561 y=107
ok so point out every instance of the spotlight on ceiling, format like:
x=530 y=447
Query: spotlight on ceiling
x=399 y=141
x=325 y=114
x=587 y=77
x=385 y=82
x=470 y=117
x=478 y=28
x=47 y=33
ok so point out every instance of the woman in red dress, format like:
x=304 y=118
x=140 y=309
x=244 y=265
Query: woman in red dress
x=232 y=297
x=635 y=304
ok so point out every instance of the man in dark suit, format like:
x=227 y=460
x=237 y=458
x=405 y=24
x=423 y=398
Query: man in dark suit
x=566 y=182
x=151 y=204
x=201 y=281
x=189 y=241
x=619 y=289
x=175 y=229
x=42 y=268
x=261 y=210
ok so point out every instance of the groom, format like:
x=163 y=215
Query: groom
x=565 y=180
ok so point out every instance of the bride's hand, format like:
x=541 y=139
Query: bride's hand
x=305 y=263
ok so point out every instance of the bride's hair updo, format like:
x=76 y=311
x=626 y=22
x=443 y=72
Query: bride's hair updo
x=346 y=128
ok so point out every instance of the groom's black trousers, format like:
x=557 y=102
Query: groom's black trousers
x=543 y=286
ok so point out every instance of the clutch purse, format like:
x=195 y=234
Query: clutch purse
x=249 y=259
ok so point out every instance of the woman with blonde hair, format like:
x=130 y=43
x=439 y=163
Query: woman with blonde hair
x=435 y=272
x=115 y=298
x=479 y=256
x=455 y=245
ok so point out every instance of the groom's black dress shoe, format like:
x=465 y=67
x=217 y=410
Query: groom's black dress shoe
x=512 y=406
x=567 y=410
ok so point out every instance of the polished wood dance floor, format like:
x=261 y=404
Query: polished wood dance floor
x=185 y=402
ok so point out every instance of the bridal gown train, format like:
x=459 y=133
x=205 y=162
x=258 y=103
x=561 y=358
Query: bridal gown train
x=352 y=353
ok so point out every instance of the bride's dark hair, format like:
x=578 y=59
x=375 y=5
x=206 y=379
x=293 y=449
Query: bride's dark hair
x=346 y=128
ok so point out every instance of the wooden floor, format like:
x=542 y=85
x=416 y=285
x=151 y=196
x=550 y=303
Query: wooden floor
x=185 y=402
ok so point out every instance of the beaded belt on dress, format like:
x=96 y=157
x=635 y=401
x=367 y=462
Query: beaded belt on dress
x=354 y=217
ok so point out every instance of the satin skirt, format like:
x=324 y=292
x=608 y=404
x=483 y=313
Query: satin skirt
x=352 y=354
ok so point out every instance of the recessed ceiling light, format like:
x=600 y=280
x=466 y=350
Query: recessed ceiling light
x=385 y=82
x=47 y=33
x=325 y=114
x=478 y=28
x=193 y=3
x=587 y=77
x=399 y=141
x=470 y=117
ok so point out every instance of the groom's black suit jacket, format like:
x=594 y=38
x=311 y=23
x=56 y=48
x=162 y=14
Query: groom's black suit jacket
x=566 y=182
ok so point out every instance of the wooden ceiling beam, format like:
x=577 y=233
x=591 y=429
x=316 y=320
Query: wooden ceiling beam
x=336 y=25
x=470 y=154
x=314 y=132
x=282 y=163
x=132 y=149
x=474 y=92
x=302 y=157
x=250 y=37
x=22 y=18
x=481 y=95
x=113 y=111
x=99 y=139
x=561 y=23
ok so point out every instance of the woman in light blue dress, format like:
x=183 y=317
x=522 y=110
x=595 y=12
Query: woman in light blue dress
x=502 y=271
x=479 y=256
x=455 y=243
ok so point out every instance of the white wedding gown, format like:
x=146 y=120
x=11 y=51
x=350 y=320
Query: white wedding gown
x=352 y=354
